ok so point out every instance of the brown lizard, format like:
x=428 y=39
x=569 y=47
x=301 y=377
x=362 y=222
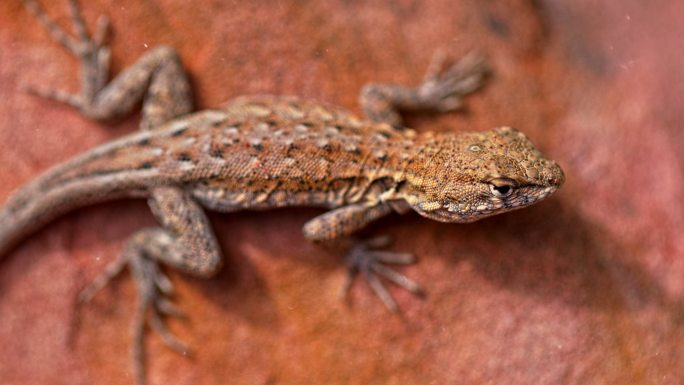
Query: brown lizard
x=264 y=152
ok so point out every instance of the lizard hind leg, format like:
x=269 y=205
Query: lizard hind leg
x=94 y=55
x=153 y=288
x=185 y=241
x=157 y=76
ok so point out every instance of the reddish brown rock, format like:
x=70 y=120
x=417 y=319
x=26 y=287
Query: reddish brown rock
x=584 y=288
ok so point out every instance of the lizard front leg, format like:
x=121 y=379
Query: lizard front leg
x=337 y=226
x=441 y=90
x=185 y=241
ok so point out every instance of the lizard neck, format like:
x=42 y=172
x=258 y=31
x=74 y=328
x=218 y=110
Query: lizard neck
x=406 y=158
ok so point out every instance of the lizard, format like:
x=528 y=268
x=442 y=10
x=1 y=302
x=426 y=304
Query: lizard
x=265 y=152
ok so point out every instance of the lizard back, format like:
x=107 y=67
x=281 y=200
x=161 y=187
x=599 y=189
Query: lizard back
x=283 y=151
x=254 y=153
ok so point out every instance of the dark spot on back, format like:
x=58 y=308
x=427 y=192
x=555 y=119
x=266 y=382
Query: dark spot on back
x=101 y=172
x=258 y=146
x=291 y=147
x=179 y=132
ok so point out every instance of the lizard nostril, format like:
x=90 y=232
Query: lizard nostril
x=556 y=176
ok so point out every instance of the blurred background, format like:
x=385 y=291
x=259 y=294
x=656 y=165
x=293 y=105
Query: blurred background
x=586 y=287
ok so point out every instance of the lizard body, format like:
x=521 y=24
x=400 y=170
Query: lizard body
x=264 y=152
x=271 y=151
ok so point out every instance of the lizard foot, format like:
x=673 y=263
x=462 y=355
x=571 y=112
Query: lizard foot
x=444 y=89
x=362 y=258
x=153 y=289
x=93 y=53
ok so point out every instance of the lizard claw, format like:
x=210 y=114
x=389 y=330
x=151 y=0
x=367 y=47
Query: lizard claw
x=166 y=335
x=111 y=271
x=80 y=45
x=371 y=264
x=91 y=50
x=55 y=95
x=443 y=89
x=153 y=288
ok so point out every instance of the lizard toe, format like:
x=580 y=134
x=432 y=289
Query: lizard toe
x=372 y=265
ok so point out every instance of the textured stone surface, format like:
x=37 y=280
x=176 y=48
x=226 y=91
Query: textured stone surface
x=585 y=288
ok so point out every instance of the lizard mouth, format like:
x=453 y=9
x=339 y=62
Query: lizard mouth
x=456 y=212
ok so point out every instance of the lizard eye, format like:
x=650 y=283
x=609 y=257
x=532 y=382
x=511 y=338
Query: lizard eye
x=502 y=187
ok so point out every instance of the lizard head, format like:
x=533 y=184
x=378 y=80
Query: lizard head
x=466 y=177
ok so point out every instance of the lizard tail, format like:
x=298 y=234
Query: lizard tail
x=32 y=207
x=84 y=180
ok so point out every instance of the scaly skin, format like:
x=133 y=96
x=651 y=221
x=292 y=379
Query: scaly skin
x=267 y=152
x=264 y=152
